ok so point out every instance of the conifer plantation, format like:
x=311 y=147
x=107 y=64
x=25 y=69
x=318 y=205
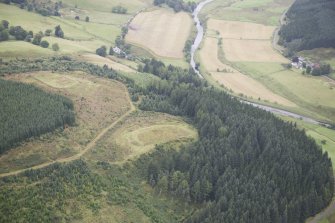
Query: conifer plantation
x=248 y=166
x=28 y=111
x=310 y=24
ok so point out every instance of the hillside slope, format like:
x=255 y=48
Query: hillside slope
x=310 y=25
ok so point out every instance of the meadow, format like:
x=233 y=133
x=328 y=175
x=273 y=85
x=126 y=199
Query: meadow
x=138 y=134
x=313 y=95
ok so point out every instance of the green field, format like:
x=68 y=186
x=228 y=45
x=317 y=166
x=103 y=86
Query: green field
x=80 y=36
x=266 y=12
x=296 y=87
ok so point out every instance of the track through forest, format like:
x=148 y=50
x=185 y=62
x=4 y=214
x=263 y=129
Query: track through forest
x=88 y=147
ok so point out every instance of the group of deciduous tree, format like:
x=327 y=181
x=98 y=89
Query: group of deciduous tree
x=20 y=33
x=310 y=24
x=45 y=8
x=48 y=199
x=119 y=10
x=178 y=5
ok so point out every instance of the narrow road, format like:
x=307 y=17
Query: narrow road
x=88 y=147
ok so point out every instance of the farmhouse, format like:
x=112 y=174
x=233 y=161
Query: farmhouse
x=117 y=50
x=300 y=63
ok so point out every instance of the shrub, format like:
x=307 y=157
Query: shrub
x=44 y=44
x=55 y=47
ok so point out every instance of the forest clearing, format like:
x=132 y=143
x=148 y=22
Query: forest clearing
x=139 y=134
x=94 y=109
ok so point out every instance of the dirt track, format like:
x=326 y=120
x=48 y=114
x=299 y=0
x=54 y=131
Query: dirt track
x=89 y=146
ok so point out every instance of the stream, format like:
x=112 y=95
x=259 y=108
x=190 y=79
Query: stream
x=196 y=45
x=199 y=36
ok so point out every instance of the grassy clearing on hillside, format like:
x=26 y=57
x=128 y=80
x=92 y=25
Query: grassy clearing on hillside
x=139 y=134
x=161 y=31
x=98 y=102
x=12 y=49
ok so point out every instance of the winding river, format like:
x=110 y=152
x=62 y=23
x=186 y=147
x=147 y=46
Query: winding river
x=199 y=36
x=196 y=45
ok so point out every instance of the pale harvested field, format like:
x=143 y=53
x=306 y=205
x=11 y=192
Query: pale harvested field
x=98 y=60
x=233 y=79
x=251 y=51
x=241 y=30
x=161 y=31
x=242 y=84
x=98 y=103
x=209 y=55
x=245 y=41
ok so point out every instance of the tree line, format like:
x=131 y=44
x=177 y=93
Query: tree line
x=248 y=165
x=45 y=8
x=178 y=5
x=21 y=34
x=28 y=111
x=310 y=24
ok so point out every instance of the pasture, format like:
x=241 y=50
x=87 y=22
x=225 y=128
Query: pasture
x=314 y=95
x=139 y=134
x=232 y=79
x=98 y=103
x=160 y=31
